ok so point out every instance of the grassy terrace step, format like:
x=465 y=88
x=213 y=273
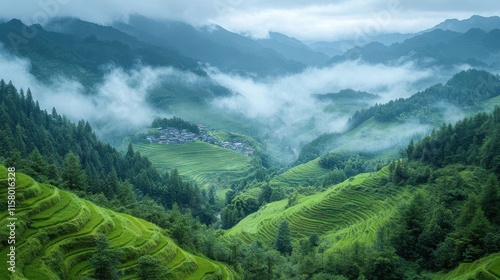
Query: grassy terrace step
x=200 y=162
x=60 y=238
x=354 y=207
x=485 y=268
x=64 y=203
x=300 y=175
x=204 y=268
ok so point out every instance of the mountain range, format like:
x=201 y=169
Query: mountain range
x=408 y=190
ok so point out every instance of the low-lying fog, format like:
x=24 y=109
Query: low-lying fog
x=284 y=109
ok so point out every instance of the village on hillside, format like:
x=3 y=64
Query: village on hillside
x=174 y=136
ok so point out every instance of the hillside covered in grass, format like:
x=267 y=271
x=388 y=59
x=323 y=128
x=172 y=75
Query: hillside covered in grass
x=203 y=163
x=56 y=235
x=346 y=209
x=379 y=132
x=431 y=215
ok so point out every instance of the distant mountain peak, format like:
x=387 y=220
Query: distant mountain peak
x=484 y=23
x=280 y=37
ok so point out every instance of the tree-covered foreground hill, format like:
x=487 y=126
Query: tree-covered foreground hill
x=61 y=236
x=421 y=217
x=432 y=215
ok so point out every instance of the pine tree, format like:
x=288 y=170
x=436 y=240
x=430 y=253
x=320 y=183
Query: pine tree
x=105 y=260
x=475 y=235
x=490 y=200
x=174 y=188
x=283 y=240
x=73 y=177
x=37 y=166
x=151 y=268
x=265 y=195
x=110 y=187
x=254 y=262
x=409 y=227
x=211 y=196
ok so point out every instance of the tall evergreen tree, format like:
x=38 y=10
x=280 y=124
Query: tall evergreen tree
x=409 y=227
x=73 y=177
x=490 y=200
x=151 y=268
x=283 y=240
x=105 y=260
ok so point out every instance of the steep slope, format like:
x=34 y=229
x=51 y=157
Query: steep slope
x=434 y=213
x=56 y=232
x=225 y=50
x=293 y=49
x=352 y=208
x=485 y=268
x=434 y=48
x=205 y=164
x=484 y=23
x=386 y=128
x=83 y=58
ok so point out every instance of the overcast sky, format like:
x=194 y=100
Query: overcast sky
x=305 y=20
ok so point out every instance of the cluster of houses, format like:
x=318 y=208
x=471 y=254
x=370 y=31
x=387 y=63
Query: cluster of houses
x=172 y=135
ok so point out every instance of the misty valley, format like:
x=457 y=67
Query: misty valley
x=156 y=148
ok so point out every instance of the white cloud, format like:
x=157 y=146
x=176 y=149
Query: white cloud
x=306 y=20
x=286 y=106
x=116 y=105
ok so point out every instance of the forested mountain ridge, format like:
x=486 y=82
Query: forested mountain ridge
x=53 y=150
x=464 y=93
x=293 y=49
x=230 y=52
x=464 y=90
x=421 y=216
x=434 y=48
x=484 y=23
x=333 y=156
x=83 y=57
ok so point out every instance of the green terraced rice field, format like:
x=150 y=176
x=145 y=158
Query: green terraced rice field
x=486 y=268
x=308 y=172
x=200 y=162
x=70 y=226
x=353 y=209
x=301 y=174
x=491 y=103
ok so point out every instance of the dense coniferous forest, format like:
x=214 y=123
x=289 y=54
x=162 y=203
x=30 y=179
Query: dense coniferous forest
x=52 y=149
x=53 y=53
x=429 y=209
x=177 y=123
x=453 y=218
x=463 y=90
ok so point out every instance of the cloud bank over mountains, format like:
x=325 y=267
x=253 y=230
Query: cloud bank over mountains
x=287 y=107
x=306 y=20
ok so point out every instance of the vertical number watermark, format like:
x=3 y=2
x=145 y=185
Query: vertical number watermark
x=11 y=220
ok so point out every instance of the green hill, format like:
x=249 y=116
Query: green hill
x=217 y=46
x=433 y=214
x=372 y=134
x=385 y=129
x=351 y=208
x=485 y=268
x=302 y=174
x=200 y=162
x=433 y=48
x=82 y=53
x=56 y=232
